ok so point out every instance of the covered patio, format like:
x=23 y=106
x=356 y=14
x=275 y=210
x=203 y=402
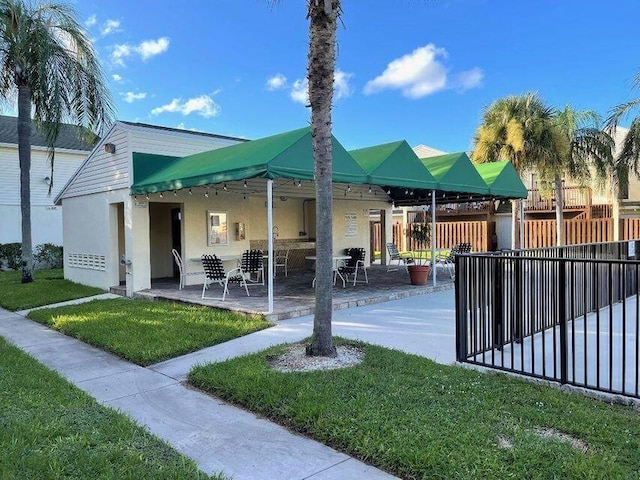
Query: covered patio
x=295 y=295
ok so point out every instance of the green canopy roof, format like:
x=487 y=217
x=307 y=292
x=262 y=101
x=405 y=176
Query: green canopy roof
x=503 y=180
x=455 y=173
x=286 y=155
x=394 y=164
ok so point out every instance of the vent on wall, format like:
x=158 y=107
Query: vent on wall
x=87 y=261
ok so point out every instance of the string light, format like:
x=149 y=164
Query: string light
x=161 y=195
x=244 y=184
x=190 y=192
x=299 y=184
x=244 y=197
x=369 y=188
x=206 y=193
x=348 y=188
x=175 y=193
x=388 y=191
x=147 y=196
x=406 y=192
x=411 y=193
x=224 y=187
x=135 y=197
x=216 y=191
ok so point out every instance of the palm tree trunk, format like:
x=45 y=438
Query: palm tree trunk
x=322 y=38
x=559 y=211
x=24 y=156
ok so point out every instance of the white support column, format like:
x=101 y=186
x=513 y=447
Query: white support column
x=521 y=224
x=137 y=245
x=434 y=237
x=270 y=243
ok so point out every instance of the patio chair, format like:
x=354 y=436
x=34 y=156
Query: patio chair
x=394 y=254
x=448 y=262
x=214 y=273
x=181 y=268
x=355 y=264
x=251 y=266
x=281 y=259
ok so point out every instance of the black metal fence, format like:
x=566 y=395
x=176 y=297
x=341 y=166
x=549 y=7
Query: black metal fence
x=569 y=314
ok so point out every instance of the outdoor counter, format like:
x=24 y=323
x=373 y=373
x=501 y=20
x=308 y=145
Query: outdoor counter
x=298 y=249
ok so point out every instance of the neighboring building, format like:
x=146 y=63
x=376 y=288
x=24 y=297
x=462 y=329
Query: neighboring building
x=424 y=151
x=46 y=218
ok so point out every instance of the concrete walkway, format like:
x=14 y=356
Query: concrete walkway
x=220 y=437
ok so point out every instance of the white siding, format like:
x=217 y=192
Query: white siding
x=103 y=171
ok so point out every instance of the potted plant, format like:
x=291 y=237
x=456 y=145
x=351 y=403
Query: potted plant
x=419 y=270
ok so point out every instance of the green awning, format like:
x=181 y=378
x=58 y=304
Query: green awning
x=286 y=155
x=503 y=180
x=394 y=165
x=455 y=173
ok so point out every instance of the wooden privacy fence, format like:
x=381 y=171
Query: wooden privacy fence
x=478 y=234
x=630 y=229
x=542 y=233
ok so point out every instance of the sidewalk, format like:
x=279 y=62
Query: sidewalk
x=220 y=437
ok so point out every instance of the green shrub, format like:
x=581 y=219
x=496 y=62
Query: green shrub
x=48 y=255
x=11 y=253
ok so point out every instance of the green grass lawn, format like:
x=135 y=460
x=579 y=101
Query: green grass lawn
x=418 y=419
x=51 y=429
x=49 y=287
x=146 y=332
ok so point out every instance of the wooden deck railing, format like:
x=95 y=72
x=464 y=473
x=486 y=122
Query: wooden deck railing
x=574 y=198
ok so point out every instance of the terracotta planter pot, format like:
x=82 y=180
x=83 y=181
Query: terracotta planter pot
x=418 y=274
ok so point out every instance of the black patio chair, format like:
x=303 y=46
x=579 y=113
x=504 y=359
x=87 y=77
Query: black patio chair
x=214 y=273
x=251 y=265
x=353 y=265
x=449 y=261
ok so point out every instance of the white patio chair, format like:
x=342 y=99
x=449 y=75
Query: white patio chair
x=281 y=259
x=214 y=273
x=394 y=254
x=181 y=268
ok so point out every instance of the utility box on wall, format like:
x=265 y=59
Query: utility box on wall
x=240 y=235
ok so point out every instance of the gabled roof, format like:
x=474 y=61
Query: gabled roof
x=455 y=173
x=181 y=130
x=71 y=137
x=502 y=179
x=395 y=165
x=286 y=155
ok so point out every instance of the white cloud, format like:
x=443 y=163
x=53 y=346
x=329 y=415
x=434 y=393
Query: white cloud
x=116 y=77
x=202 y=105
x=110 y=26
x=151 y=48
x=341 y=88
x=300 y=91
x=277 y=82
x=131 y=97
x=146 y=50
x=91 y=21
x=421 y=73
x=417 y=74
x=469 y=79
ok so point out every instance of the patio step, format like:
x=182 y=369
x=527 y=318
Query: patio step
x=119 y=290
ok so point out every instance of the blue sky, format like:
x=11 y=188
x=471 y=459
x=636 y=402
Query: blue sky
x=416 y=70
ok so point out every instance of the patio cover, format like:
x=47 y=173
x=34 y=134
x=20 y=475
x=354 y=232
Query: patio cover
x=503 y=180
x=456 y=173
x=286 y=155
x=394 y=165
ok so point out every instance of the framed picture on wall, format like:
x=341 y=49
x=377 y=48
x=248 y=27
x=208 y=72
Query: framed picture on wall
x=217 y=231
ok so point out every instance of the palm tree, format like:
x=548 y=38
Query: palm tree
x=46 y=57
x=323 y=16
x=579 y=145
x=515 y=128
x=629 y=156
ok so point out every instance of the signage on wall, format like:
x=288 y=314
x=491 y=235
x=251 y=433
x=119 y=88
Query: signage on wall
x=138 y=204
x=350 y=224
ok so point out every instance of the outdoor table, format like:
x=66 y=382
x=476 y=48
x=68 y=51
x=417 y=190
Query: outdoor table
x=336 y=271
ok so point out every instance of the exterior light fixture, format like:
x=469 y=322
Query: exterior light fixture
x=110 y=147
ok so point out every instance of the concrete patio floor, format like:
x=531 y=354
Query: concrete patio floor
x=295 y=297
